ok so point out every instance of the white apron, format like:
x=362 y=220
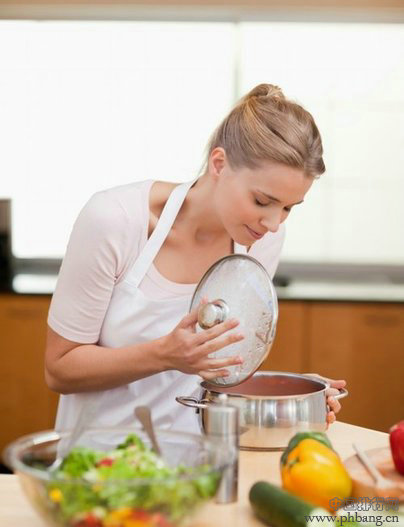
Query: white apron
x=133 y=318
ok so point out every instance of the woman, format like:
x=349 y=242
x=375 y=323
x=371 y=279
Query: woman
x=118 y=330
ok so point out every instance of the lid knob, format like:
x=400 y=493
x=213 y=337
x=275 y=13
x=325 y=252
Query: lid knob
x=212 y=313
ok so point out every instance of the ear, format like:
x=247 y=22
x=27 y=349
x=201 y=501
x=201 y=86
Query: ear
x=217 y=161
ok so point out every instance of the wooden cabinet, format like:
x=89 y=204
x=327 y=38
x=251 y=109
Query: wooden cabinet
x=26 y=404
x=360 y=342
x=364 y=344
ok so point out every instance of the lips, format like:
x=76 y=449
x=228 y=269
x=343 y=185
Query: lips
x=254 y=234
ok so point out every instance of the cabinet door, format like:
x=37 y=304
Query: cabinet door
x=26 y=404
x=288 y=350
x=364 y=344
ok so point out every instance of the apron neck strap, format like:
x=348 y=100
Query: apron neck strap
x=160 y=233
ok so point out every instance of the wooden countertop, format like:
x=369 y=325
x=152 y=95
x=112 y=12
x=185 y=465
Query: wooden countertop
x=15 y=510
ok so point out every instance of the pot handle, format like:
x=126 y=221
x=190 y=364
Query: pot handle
x=192 y=402
x=343 y=392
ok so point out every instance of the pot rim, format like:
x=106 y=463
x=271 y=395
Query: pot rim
x=214 y=389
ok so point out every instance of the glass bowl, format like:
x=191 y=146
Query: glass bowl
x=152 y=501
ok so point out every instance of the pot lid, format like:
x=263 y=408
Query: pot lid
x=238 y=286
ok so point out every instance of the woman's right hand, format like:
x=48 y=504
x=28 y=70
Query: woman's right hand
x=185 y=350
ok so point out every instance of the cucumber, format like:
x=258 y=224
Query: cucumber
x=278 y=508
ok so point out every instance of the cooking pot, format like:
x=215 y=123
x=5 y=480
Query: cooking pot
x=273 y=407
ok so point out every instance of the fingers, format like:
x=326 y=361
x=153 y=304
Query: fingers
x=194 y=347
x=331 y=418
x=216 y=331
x=331 y=391
x=192 y=318
x=219 y=343
x=214 y=368
x=215 y=364
x=334 y=405
x=340 y=383
x=210 y=375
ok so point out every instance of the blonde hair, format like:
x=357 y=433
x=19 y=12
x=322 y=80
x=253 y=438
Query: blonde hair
x=265 y=126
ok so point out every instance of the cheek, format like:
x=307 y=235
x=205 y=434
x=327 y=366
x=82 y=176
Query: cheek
x=234 y=206
x=241 y=206
x=247 y=211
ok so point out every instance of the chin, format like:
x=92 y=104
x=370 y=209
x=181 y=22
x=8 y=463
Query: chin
x=244 y=240
x=239 y=236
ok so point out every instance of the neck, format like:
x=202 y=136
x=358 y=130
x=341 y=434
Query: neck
x=198 y=214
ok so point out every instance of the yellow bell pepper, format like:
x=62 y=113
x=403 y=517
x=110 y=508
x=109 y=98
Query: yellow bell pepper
x=315 y=473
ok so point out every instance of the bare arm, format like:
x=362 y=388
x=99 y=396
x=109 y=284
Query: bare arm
x=71 y=367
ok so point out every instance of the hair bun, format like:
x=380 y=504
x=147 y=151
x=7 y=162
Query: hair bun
x=266 y=126
x=274 y=91
x=265 y=90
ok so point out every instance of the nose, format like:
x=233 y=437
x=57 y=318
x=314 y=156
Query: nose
x=272 y=222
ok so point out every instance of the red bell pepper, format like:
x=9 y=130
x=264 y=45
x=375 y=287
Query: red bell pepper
x=397 y=446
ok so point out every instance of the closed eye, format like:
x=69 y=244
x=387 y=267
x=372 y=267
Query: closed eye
x=260 y=204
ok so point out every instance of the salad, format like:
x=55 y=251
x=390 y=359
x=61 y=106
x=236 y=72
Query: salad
x=129 y=486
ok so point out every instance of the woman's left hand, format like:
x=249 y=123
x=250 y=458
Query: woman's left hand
x=334 y=404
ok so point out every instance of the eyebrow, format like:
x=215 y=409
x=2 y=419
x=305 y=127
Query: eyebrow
x=276 y=199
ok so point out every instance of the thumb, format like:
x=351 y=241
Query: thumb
x=341 y=383
x=334 y=383
x=192 y=318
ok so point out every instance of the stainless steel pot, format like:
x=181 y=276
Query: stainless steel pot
x=273 y=407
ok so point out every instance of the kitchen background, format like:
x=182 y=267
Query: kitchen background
x=101 y=94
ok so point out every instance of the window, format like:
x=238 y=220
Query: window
x=92 y=104
x=351 y=78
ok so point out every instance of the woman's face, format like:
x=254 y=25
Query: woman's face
x=251 y=202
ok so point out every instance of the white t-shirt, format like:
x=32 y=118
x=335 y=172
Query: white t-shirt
x=107 y=237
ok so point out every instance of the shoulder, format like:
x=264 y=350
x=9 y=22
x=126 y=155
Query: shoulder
x=123 y=200
x=112 y=225
x=112 y=210
x=105 y=240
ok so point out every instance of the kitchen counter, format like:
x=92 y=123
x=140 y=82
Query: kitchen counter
x=312 y=281
x=16 y=512
x=299 y=289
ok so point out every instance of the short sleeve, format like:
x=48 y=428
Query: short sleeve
x=268 y=250
x=94 y=259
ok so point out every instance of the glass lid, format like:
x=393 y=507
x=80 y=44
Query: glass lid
x=238 y=286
